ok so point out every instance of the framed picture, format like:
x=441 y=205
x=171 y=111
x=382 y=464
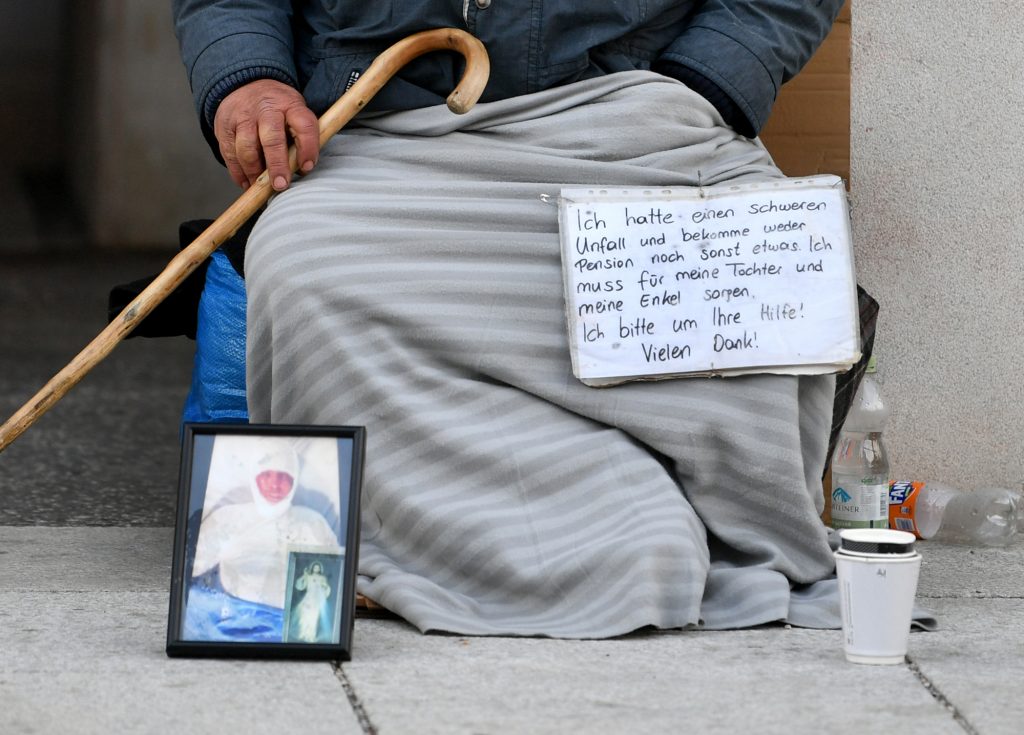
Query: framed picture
x=266 y=542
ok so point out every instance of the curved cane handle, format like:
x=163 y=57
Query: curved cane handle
x=465 y=95
x=385 y=66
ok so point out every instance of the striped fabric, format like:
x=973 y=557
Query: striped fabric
x=412 y=284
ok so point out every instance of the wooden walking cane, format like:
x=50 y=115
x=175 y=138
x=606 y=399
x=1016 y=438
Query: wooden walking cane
x=465 y=95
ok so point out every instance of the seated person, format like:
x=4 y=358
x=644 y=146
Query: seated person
x=410 y=281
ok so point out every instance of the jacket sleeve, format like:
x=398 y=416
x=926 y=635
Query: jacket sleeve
x=226 y=44
x=744 y=50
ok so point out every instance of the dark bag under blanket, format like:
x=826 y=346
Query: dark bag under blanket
x=176 y=314
x=848 y=382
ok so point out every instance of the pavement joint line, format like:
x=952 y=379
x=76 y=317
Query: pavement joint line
x=353 y=699
x=971 y=596
x=941 y=698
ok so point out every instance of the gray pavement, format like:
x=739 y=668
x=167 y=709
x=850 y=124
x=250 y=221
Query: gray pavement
x=85 y=548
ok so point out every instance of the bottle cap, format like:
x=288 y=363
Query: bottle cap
x=876 y=542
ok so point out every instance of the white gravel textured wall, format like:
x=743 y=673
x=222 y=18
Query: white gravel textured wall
x=938 y=222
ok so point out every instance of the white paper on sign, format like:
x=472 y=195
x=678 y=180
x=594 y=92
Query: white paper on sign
x=721 y=280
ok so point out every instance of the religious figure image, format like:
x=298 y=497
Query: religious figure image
x=265 y=497
x=311 y=608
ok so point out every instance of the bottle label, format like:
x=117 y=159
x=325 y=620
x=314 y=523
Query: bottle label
x=903 y=497
x=857 y=504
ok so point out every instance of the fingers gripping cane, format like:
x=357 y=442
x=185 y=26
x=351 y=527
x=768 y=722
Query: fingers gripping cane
x=385 y=66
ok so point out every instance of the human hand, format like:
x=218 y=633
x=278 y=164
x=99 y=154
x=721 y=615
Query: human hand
x=253 y=126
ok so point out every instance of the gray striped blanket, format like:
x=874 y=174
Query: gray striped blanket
x=412 y=284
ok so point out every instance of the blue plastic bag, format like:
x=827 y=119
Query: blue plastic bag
x=218 y=371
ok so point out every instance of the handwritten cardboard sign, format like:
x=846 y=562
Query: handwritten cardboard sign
x=720 y=280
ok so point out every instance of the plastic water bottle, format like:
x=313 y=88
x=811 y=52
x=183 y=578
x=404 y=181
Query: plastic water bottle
x=860 y=465
x=988 y=516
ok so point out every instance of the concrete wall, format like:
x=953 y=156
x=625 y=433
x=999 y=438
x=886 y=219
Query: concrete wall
x=141 y=164
x=30 y=68
x=938 y=222
x=31 y=108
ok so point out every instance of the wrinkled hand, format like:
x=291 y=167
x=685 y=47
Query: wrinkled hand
x=254 y=125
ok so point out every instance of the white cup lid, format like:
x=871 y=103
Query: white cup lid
x=876 y=541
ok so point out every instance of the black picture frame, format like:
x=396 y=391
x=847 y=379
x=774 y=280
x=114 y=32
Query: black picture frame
x=266 y=541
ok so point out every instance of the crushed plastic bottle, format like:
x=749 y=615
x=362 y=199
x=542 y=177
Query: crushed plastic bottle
x=988 y=516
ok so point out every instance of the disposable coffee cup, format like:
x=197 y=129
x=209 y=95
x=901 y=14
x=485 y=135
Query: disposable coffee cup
x=878 y=570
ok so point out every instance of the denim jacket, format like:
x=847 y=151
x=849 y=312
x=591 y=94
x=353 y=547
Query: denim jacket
x=737 y=53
